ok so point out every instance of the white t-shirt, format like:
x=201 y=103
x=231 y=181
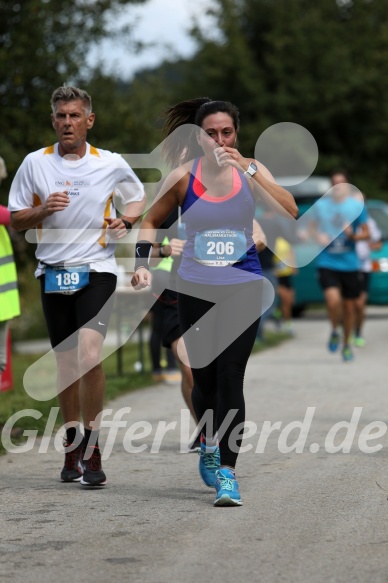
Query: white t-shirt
x=363 y=249
x=77 y=234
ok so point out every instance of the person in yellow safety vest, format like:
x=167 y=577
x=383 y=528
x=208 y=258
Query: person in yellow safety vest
x=9 y=294
x=283 y=261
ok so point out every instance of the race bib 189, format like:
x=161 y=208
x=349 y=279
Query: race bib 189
x=68 y=280
x=220 y=247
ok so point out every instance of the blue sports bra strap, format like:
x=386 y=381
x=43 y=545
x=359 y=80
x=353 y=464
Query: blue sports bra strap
x=193 y=172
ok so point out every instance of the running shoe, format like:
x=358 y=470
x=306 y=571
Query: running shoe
x=277 y=317
x=359 y=341
x=209 y=463
x=172 y=377
x=287 y=328
x=227 y=488
x=72 y=470
x=347 y=354
x=93 y=474
x=333 y=341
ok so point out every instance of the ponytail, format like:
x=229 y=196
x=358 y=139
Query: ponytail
x=184 y=146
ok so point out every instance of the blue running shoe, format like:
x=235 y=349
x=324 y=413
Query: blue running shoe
x=347 y=354
x=333 y=341
x=227 y=489
x=209 y=463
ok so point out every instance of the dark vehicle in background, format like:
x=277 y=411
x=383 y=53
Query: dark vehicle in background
x=307 y=289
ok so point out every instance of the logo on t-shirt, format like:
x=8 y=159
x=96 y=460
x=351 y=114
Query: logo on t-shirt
x=72 y=183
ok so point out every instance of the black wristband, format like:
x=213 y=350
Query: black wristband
x=127 y=224
x=142 y=254
x=160 y=252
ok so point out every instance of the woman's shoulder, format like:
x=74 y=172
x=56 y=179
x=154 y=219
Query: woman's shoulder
x=180 y=176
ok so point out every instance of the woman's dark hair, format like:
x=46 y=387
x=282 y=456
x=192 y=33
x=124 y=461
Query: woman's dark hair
x=185 y=147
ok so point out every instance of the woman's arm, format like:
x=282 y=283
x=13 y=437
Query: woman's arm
x=265 y=188
x=259 y=237
x=170 y=196
x=262 y=183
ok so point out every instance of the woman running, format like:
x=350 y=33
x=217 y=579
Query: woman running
x=219 y=280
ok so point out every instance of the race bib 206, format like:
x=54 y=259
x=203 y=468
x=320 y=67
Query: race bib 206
x=220 y=247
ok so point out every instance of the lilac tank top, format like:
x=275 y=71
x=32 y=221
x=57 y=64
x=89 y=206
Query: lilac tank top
x=219 y=246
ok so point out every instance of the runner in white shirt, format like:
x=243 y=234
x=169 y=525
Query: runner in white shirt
x=67 y=192
x=89 y=183
x=363 y=250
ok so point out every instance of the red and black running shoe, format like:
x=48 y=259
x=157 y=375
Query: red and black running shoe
x=72 y=470
x=93 y=474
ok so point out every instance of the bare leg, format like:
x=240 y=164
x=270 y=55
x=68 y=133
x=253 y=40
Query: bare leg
x=68 y=385
x=334 y=305
x=360 y=304
x=92 y=391
x=92 y=387
x=348 y=319
x=286 y=301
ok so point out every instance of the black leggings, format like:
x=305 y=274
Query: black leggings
x=230 y=330
x=157 y=333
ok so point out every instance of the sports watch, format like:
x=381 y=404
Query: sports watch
x=127 y=224
x=251 y=170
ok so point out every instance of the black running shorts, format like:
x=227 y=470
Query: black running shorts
x=91 y=307
x=171 y=328
x=365 y=278
x=285 y=281
x=349 y=282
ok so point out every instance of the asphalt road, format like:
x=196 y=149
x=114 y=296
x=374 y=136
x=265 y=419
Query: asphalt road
x=317 y=516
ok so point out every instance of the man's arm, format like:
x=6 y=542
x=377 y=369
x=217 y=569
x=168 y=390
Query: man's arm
x=118 y=227
x=317 y=235
x=362 y=234
x=29 y=218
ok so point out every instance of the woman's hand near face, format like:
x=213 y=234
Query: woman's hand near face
x=227 y=156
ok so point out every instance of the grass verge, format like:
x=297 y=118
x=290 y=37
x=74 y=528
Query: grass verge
x=17 y=400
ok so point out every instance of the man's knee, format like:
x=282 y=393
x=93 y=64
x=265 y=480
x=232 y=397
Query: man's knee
x=333 y=297
x=90 y=350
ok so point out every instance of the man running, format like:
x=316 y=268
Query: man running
x=338 y=263
x=66 y=191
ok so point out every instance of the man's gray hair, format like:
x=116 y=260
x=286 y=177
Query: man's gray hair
x=71 y=94
x=3 y=169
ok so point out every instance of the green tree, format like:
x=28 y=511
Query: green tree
x=324 y=65
x=43 y=44
x=225 y=69
x=320 y=64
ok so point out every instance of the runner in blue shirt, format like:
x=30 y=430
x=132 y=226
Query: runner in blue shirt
x=338 y=222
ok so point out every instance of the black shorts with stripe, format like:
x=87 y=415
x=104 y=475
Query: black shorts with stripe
x=91 y=307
